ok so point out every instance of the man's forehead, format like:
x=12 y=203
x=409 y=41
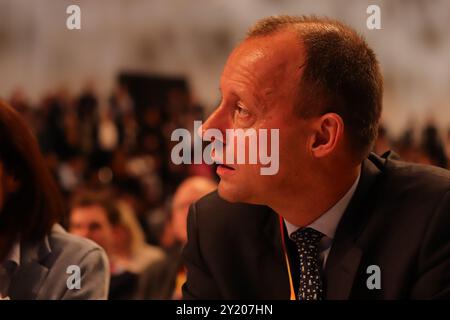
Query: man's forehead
x=92 y=209
x=267 y=55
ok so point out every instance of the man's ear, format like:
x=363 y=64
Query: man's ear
x=328 y=131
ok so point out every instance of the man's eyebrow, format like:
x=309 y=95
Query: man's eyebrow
x=238 y=94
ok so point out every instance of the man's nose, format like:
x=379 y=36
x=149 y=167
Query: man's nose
x=217 y=120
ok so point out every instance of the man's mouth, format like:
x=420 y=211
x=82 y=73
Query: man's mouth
x=226 y=167
x=219 y=162
x=223 y=170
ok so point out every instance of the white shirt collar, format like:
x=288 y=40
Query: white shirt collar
x=328 y=222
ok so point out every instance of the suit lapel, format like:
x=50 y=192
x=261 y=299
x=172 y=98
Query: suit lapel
x=341 y=269
x=345 y=255
x=30 y=275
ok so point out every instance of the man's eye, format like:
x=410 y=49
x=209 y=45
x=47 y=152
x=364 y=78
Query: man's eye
x=242 y=112
x=94 y=226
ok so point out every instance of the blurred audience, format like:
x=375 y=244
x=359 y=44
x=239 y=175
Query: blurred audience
x=135 y=266
x=430 y=148
x=434 y=147
x=175 y=233
x=132 y=253
x=89 y=143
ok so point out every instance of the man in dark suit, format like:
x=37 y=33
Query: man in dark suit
x=335 y=222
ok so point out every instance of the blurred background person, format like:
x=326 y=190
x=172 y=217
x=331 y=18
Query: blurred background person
x=35 y=251
x=134 y=264
x=382 y=144
x=175 y=233
x=433 y=146
x=94 y=218
x=134 y=254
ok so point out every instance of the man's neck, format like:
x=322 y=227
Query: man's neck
x=302 y=207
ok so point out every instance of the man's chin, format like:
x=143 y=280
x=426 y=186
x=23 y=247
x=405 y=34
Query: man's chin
x=230 y=193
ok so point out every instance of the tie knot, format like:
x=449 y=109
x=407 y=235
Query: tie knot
x=307 y=236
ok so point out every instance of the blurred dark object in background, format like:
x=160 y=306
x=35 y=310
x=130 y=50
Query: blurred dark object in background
x=434 y=147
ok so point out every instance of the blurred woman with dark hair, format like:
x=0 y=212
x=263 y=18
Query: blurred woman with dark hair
x=38 y=258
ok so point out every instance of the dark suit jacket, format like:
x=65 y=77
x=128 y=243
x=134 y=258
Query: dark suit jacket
x=398 y=219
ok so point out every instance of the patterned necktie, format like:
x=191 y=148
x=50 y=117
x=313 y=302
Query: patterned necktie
x=307 y=241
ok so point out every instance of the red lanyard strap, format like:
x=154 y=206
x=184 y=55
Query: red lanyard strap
x=292 y=295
